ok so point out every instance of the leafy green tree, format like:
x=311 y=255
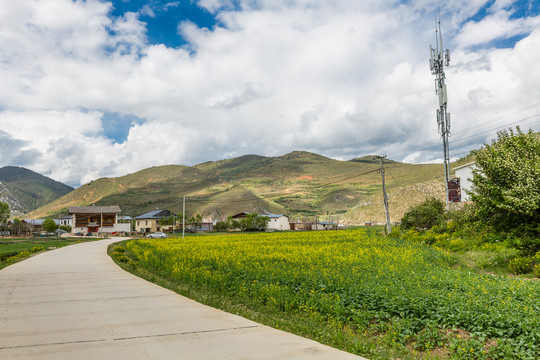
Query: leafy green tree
x=196 y=220
x=4 y=212
x=424 y=215
x=506 y=183
x=17 y=226
x=254 y=222
x=49 y=225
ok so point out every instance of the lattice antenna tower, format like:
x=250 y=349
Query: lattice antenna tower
x=439 y=59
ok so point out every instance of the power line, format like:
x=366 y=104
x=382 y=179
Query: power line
x=233 y=200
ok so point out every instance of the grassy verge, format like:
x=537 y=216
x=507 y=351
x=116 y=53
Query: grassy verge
x=15 y=250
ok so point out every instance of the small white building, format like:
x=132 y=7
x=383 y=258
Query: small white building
x=277 y=222
x=465 y=174
x=66 y=221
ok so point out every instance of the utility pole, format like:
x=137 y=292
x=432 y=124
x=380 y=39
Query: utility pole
x=385 y=197
x=439 y=59
x=184 y=218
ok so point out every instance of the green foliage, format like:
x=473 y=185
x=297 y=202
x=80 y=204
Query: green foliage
x=431 y=337
x=467 y=349
x=506 y=185
x=119 y=255
x=521 y=265
x=4 y=212
x=424 y=216
x=536 y=270
x=49 y=225
x=406 y=294
x=253 y=222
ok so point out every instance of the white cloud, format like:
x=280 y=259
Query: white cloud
x=498 y=25
x=339 y=78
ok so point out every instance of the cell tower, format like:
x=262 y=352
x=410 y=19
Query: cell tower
x=439 y=59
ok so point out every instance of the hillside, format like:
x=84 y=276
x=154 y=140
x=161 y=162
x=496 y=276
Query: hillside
x=25 y=190
x=299 y=184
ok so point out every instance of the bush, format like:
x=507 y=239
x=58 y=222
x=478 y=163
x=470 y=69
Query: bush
x=425 y=215
x=536 y=270
x=506 y=185
x=520 y=265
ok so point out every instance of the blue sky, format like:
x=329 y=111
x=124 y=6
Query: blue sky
x=162 y=18
x=104 y=88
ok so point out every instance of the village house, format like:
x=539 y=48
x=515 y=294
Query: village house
x=465 y=173
x=276 y=221
x=34 y=225
x=149 y=222
x=66 y=221
x=93 y=219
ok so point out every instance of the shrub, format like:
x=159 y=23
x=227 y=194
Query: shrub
x=520 y=265
x=536 y=270
x=506 y=184
x=425 y=215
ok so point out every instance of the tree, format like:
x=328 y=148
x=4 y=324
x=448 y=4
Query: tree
x=196 y=220
x=424 y=215
x=4 y=212
x=254 y=222
x=49 y=225
x=506 y=183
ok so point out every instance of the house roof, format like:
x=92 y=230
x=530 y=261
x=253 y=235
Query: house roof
x=94 y=209
x=156 y=214
x=270 y=215
x=274 y=216
x=37 y=222
x=466 y=165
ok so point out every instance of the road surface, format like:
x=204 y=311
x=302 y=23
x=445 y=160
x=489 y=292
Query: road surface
x=76 y=303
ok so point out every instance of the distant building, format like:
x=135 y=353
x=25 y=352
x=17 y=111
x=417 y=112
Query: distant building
x=328 y=225
x=149 y=222
x=277 y=221
x=35 y=225
x=66 y=221
x=465 y=174
x=91 y=219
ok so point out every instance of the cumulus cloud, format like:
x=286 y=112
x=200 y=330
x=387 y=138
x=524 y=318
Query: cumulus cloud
x=343 y=79
x=498 y=25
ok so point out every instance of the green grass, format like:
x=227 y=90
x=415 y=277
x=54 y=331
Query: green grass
x=15 y=250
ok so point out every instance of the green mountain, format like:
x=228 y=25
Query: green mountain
x=25 y=190
x=299 y=184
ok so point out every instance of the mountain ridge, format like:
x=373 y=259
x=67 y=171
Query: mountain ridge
x=299 y=184
x=26 y=190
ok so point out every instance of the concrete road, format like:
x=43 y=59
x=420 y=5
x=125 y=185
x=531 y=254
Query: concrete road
x=76 y=303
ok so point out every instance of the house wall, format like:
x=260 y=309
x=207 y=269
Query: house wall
x=280 y=223
x=464 y=174
x=146 y=225
x=104 y=229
